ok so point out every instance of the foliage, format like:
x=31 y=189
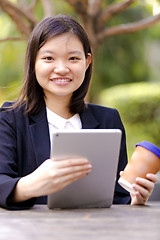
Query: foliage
x=60 y=6
x=11 y=54
x=10 y=93
x=138 y=104
x=120 y=60
x=11 y=62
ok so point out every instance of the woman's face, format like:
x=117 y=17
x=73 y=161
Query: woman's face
x=60 y=65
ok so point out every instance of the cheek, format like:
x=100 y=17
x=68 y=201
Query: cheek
x=42 y=70
x=80 y=72
x=38 y=70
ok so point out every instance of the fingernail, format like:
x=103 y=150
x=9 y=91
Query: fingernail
x=89 y=165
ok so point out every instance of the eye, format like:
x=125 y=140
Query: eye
x=74 y=58
x=48 y=58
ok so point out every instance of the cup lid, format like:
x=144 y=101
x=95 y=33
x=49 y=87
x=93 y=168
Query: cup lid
x=150 y=146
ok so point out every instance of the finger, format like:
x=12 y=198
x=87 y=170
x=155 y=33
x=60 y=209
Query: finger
x=143 y=188
x=152 y=177
x=143 y=192
x=137 y=198
x=75 y=176
x=73 y=169
x=70 y=178
x=145 y=184
x=67 y=162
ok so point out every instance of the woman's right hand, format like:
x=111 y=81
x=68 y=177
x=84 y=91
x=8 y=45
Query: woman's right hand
x=51 y=176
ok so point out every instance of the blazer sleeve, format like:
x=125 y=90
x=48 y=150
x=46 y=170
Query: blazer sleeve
x=8 y=161
x=121 y=196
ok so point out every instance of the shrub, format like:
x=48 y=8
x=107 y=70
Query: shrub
x=139 y=107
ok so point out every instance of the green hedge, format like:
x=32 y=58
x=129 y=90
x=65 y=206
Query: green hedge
x=139 y=107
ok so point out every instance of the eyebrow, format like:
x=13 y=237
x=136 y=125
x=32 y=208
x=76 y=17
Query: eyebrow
x=51 y=52
x=46 y=51
x=75 y=52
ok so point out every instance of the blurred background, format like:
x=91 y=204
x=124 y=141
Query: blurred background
x=125 y=38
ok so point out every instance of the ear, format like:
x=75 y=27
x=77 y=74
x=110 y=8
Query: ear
x=88 y=60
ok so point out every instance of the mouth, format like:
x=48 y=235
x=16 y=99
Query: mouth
x=61 y=80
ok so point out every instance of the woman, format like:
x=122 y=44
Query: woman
x=57 y=74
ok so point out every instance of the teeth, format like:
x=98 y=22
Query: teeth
x=62 y=80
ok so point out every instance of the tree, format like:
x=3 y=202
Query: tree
x=95 y=16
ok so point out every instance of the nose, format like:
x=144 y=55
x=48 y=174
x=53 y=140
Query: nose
x=61 y=68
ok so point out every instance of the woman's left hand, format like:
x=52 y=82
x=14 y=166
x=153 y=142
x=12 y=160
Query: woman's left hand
x=144 y=188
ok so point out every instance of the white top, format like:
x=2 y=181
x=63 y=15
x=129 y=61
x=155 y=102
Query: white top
x=57 y=122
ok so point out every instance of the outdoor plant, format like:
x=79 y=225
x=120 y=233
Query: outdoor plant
x=139 y=107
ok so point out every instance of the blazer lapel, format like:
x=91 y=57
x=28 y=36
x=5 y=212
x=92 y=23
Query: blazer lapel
x=88 y=119
x=40 y=135
x=40 y=132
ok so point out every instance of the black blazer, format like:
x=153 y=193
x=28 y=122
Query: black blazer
x=25 y=144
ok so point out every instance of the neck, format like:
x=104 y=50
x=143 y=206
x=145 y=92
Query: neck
x=59 y=106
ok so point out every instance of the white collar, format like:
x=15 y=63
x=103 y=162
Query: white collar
x=61 y=123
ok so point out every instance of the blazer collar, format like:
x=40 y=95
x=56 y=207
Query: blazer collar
x=34 y=118
x=40 y=135
x=88 y=119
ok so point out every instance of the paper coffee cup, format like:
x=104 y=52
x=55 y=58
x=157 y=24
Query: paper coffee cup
x=145 y=159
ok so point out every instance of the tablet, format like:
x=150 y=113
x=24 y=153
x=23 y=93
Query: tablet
x=101 y=147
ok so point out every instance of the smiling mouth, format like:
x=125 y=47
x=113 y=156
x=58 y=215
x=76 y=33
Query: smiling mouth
x=61 y=80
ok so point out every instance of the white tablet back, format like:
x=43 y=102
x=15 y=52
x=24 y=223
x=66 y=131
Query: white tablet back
x=101 y=147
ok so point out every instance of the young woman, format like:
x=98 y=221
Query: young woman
x=58 y=69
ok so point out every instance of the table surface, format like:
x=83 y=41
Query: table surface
x=118 y=222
